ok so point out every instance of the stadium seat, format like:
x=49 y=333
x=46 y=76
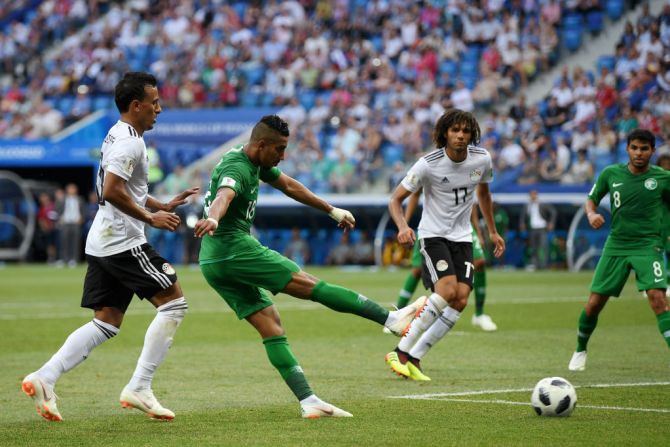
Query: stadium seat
x=469 y=68
x=307 y=98
x=572 y=21
x=449 y=66
x=572 y=39
x=614 y=8
x=393 y=153
x=249 y=98
x=595 y=21
x=606 y=61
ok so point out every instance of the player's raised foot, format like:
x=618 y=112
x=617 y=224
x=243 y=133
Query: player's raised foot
x=415 y=373
x=484 y=322
x=320 y=409
x=399 y=320
x=43 y=395
x=578 y=361
x=393 y=361
x=144 y=400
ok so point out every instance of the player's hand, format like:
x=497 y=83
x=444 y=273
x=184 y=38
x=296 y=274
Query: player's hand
x=595 y=220
x=205 y=226
x=498 y=244
x=407 y=237
x=343 y=218
x=164 y=220
x=181 y=198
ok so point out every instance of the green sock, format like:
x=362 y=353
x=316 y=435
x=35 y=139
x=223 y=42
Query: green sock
x=345 y=300
x=282 y=358
x=664 y=325
x=407 y=290
x=586 y=327
x=480 y=291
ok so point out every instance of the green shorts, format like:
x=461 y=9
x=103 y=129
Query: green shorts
x=612 y=273
x=240 y=280
x=477 y=250
x=417 y=259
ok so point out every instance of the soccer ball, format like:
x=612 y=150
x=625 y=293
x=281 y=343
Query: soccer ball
x=553 y=396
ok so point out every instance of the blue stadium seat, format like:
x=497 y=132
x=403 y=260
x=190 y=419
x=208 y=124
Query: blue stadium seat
x=572 y=21
x=595 y=21
x=572 y=39
x=307 y=98
x=254 y=75
x=65 y=104
x=449 y=66
x=393 y=153
x=469 y=68
x=606 y=61
x=614 y=8
x=249 y=98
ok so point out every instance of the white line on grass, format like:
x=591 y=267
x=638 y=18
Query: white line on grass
x=507 y=402
x=518 y=390
x=453 y=397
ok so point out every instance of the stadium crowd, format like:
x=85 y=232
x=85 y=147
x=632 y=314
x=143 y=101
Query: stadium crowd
x=361 y=82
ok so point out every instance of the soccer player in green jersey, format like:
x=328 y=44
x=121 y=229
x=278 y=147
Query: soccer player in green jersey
x=240 y=269
x=664 y=162
x=479 y=318
x=639 y=197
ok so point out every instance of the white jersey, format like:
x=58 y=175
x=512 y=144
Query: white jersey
x=124 y=154
x=448 y=190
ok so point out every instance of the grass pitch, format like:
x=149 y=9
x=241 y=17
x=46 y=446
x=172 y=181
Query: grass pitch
x=221 y=386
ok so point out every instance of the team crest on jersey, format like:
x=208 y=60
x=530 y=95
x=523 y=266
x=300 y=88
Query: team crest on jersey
x=129 y=166
x=476 y=175
x=412 y=179
x=167 y=269
x=650 y=184
x=441 y=265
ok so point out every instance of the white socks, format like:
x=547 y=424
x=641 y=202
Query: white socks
x=420 y=324
x=435 y=333
x=157 y=341
x=76 y=349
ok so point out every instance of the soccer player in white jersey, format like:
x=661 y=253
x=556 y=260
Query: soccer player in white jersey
x=449 y=177
x=120 y=262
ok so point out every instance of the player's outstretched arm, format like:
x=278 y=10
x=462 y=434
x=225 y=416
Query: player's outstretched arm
x=217 y=209
x=178 y=200
x=114 y=192
x=300 y=193
x=486 y=206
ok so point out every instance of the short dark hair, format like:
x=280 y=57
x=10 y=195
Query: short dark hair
x=452 y=117
x=131 y=88
x=267 y=125
x=643 y=135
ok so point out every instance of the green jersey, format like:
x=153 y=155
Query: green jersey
x=638 y=203
x=234 y=171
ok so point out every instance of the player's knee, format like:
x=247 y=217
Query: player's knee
x=657 y=300
x=175 y=309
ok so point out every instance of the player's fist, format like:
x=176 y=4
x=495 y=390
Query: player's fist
x=343 y=218
x=595 y=220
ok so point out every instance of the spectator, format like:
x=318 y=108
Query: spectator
x=297 y=248
x=538 y=219
x=341 y=253
x=511 y=155
x=581 y=170
x=362 y=252
x=71 y=211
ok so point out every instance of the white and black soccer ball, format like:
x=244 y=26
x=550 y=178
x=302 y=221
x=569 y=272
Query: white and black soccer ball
x=553 y=396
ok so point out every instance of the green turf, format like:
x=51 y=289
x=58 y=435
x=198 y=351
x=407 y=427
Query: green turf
x=224 y=391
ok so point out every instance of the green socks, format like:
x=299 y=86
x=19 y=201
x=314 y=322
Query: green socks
x=480 y=291
x=345 y=300
x=664 y=325
x=407 y=291
x=282 y=358
x=586 y=327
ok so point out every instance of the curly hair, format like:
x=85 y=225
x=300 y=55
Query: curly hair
x=452 y=117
